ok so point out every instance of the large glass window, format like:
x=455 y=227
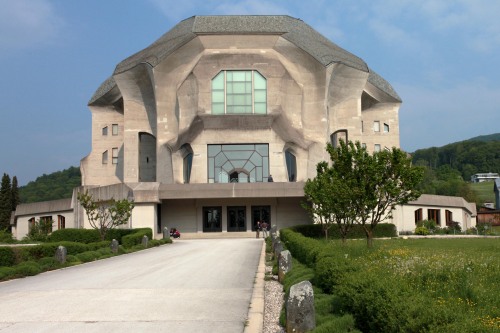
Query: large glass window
x=238 y=163
x=187 y=153
x=291 y=165
x=239 y=92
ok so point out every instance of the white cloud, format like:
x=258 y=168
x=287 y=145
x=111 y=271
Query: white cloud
x=27 y=24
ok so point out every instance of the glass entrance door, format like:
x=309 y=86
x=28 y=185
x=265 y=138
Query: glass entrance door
x=212 y=218
x=236 y=218
x=262 y=214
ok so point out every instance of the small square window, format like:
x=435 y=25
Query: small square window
x=115 y=156
x=105 y=130
x=376 y=126
x=363 y=145
x=105 y=157
x=386 y=128
x=115 y=129
x=377 y=148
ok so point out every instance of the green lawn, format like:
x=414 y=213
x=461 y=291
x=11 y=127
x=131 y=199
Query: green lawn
x=484 y=191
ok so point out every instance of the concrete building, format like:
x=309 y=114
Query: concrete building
x=195 y=124
x=192 y=127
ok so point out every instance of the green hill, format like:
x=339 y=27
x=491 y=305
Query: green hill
x=57 y=185
x=479 y=154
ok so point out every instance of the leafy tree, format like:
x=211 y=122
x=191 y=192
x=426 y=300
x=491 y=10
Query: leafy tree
x=5 y=202
x=104 y=216
x=380 y=182
x=364 y=188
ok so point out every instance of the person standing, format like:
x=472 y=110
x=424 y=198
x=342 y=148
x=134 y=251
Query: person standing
x=257 y=229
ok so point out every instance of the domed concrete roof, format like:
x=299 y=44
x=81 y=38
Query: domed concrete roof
x=291 y=29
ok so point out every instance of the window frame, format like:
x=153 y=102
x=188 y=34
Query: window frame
x=114 y=156
x=234 y=93
x=114 y=129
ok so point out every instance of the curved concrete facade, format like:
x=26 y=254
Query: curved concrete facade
x=157 y=109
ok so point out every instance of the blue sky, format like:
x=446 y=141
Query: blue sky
x=440 y=56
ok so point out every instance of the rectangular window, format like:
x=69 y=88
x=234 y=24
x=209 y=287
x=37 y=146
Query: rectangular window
x=105 y=157
x=46 y=224
x=115 y=156
x=239 y=92
x=418 y=215
x=363 y=145
x=434 y=214
x=376 y=126
x=105 y=130
x=61 y=222
x=115 y=129
x=362 y=126
x=386 y=128
x=449 y=217
x=376 y=148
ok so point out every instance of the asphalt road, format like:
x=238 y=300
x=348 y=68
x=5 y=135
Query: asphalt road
x=188 y=286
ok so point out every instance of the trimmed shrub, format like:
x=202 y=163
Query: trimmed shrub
x=6 y=273
x=7 y=256
x=356 y=232
x=48 y=263
x=75 y=235
x=88 y=256
x=422 y=231
x=135 y=238
x=27 y=268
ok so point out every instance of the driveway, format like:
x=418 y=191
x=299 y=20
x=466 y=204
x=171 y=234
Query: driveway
x=190 y=286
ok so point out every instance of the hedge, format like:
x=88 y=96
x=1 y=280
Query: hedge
x=7 y=257
x=136 y=237
x=357 y=231
x=75 y=235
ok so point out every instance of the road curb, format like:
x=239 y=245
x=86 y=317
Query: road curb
x=255 y=321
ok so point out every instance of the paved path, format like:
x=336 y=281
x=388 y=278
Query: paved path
x=188 y=286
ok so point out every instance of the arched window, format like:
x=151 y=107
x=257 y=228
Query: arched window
x=187 y=154
x=291 y=165
x=239 y=92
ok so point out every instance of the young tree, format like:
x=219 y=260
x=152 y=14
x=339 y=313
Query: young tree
x=104 y=216
x=5 y=202
x=377 y=182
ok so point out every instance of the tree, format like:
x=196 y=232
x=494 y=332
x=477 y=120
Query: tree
x=5 y=202
x=15 y=193
x=363 y=188
x=378 y=182
x=104 y=216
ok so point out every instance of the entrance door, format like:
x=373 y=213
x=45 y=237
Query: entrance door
x=262 y=214
x=212 y=217
x=236 y=218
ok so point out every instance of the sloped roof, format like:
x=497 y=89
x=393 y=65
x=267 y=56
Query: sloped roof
x=444 y=201
x=291 y=29
x=44 y=207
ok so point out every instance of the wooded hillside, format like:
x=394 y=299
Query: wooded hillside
x=477 y=155
x=57 y=185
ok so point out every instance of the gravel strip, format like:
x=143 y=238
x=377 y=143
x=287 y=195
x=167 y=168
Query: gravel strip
x=273 y=302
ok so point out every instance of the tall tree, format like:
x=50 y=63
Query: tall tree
x=364 y=188
x=15 y=193
x=5 y=202
x=378 y=182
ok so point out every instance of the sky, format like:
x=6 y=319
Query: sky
x=441 y=57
